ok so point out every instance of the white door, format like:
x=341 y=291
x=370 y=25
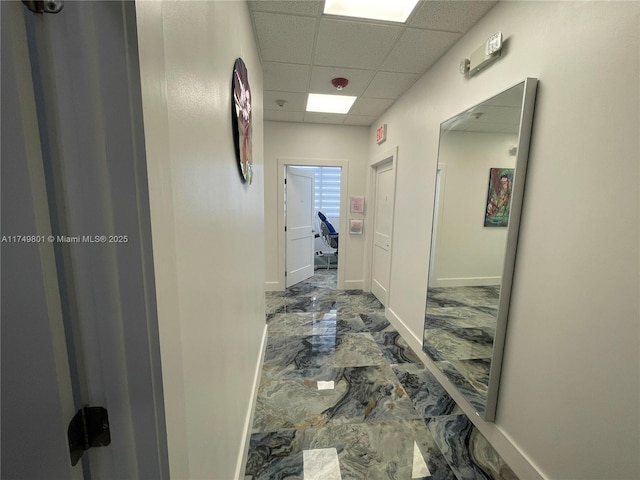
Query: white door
x=80 y=326
x=300 y=234
x=382 y=228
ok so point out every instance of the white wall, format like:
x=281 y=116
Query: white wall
x=207 y=228
x=569 y=397
x=310 y=143
x=468 y=253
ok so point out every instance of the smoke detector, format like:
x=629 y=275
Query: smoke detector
x=339 y=83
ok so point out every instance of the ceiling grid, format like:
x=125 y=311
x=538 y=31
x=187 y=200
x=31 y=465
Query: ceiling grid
x=302 y=49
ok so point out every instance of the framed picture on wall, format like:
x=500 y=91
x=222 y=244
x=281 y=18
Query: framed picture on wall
x=356 y=225
x=357 y=204
x=498 y=197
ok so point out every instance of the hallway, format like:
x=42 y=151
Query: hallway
x=342 y=396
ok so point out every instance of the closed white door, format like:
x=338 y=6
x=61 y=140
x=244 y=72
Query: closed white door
x=299 y=235
x=382 y=230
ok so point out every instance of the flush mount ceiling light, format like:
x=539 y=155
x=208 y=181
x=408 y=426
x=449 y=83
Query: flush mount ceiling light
x=318 y=102
x=391 y=11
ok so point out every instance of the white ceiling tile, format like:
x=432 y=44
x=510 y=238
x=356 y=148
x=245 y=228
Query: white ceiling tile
x=278 y=116
x=417 y=50
x=301 y=48
x=450 y=16
x=285 y=38
x=306 y=7
x=361 y=120
x=314 y=117
x=354 y=44
x=390 y=84
x=295 y=101
x=321 y=80
x=370 y=106
x=286 y=77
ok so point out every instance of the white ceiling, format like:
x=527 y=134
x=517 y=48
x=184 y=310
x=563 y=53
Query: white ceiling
x=302 y=50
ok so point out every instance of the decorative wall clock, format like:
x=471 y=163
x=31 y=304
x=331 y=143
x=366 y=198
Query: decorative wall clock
x=241 y=120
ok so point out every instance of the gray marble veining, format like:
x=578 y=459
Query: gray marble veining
x=376 y=322
x=429 y=398
x=466 y=451
x=338 y=380
x=395 y=348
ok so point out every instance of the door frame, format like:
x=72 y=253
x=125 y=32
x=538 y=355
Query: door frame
x=103 y=287
x=387 y=156
x=344 y=183
x=37 y=395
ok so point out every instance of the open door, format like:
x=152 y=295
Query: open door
x=299 y=229
x=79 y=326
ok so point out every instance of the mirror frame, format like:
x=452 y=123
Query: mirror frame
x=517 y=194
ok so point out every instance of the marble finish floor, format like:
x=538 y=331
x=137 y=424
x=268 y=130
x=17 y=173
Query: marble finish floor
x=460 y=325
x=342 y=396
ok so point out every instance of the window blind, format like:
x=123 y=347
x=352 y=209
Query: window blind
x=327 y=192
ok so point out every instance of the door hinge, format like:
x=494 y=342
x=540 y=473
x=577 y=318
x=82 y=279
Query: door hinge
x=285 y=274
x=88 y=428
x=44 y=6
x=285 y=228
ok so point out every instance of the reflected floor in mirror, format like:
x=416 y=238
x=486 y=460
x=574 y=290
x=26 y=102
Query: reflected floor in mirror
x=460 y=326
x=342 y=396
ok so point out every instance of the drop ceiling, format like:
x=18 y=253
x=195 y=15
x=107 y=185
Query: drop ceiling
x=302 y=49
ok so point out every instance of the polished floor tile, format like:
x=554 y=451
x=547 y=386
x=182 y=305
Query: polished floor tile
x=359 y=394
x=395 y=348
x=466 y=451
x=343 y=396
x=372 y=451
x=376 y=322
x=429 y=398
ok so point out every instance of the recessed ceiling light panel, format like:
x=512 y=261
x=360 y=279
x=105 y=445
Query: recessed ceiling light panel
x=388 y=10
x=318 y=102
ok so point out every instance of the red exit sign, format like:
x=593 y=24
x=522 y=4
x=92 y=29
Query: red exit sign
x=381 y=133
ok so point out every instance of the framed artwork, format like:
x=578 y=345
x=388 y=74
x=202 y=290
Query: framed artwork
x=356 y=226
x=498 y=197
x=357 y=204
x=241 y=120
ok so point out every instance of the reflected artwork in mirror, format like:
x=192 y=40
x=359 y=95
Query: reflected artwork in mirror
x=482 y=161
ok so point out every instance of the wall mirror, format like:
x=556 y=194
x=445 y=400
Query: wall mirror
x=482 y=161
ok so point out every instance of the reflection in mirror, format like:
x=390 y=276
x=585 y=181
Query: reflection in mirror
x=482 y=161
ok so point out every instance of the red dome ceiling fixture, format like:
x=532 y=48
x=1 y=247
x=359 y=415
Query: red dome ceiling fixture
x=339 y=82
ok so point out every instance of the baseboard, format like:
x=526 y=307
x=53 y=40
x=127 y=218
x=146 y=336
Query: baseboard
x=519 y=462
x=244 y=450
